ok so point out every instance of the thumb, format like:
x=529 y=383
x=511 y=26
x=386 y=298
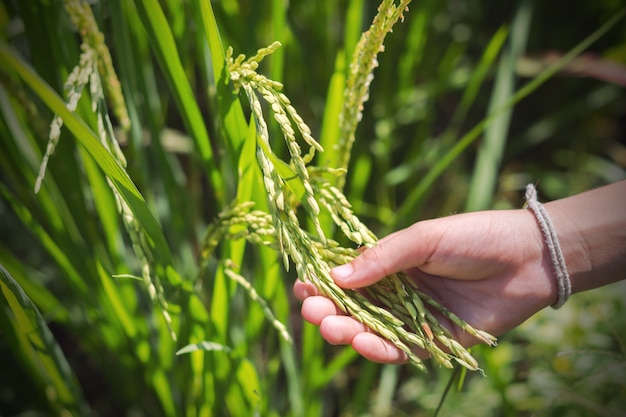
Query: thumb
x=394 y=253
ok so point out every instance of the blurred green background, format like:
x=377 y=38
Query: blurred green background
x=74 y=340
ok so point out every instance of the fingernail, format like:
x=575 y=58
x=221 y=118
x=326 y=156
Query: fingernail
x=342 y=271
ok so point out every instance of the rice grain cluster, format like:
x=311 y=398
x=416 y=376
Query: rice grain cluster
x=394 y=308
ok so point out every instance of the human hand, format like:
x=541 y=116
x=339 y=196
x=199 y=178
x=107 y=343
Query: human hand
x=489 y=268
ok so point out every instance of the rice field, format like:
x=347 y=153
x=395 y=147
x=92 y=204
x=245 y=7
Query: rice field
x=168 y=168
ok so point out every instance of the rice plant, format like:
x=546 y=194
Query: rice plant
x=160 y=193
x=398 y=315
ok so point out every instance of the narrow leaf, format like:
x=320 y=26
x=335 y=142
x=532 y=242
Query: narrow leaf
x=11 y=62
x=40 y=348
x=164 y=46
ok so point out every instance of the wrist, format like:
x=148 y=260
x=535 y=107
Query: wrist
x=574 y=247
x=591 y=228
x=545 y=283
x=559 y=267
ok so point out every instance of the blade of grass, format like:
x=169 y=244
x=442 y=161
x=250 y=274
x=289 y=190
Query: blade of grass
x=44 y=238
x=491 y=149
x=125 y=42
x=223 y=287
x=280 y=33
x=360 y=176
x=354 y=27
x=232 y=124
x=417 y=194
x=197 y=382
x=447 y=138
x=454 y=376
x=383 y=401
x=232 y=119
x=330 y=133
x=40 y=20
x=106 y=209
x=361 y=394
x=478 y=77
x=28 y=279
x=250 y=176
x=246 y=389
x=40 y=349
x=164 y=47
x=22 y=153
x=117 y=303
x=89 y=140
x=294 y=387
x=131 y=44
x=326 y=374
x=415 y=42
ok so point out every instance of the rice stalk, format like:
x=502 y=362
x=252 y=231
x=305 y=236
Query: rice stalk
x=252 y=293
x=82 y=17
x=394 y=308
x=360 y=76
x=86 y=74
x=76 y=81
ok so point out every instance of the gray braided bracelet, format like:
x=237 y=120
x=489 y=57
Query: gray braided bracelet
x=552 y=241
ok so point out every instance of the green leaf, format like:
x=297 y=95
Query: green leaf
x=164 y=46
x=28 y=279
x=56 y=252
x=39 y=348
x=423 y=186
x=119 y=306
x=11 y=62
x=280 y=30
x=232 y=119
x=491 y=149
x=248 y=380
x=354 y=26
x=250 y=184
x=106 y=206
x=329 y=137
x=489 y=56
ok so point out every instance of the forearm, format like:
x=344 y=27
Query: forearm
x=591 y=228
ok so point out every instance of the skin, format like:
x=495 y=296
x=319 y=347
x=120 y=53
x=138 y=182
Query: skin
x=491 y=268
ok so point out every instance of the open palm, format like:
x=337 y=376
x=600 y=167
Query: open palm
x=490 y=268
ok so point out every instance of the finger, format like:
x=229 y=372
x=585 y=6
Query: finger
x=316 y=308
x=304 y=289
x=388 y=237
x=344 y=330
x=402 y=250
x=377 y=349
x=340 y=330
